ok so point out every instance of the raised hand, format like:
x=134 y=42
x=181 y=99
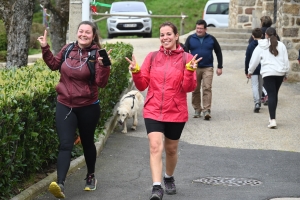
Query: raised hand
x=43 y=39
x=100 y=58
x=132 y=63
x=194 y=62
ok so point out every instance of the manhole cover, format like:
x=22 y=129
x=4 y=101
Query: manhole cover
x=228 y=181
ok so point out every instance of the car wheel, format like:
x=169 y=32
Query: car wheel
x=148 y=35
x=210 y=25
x=110 y=36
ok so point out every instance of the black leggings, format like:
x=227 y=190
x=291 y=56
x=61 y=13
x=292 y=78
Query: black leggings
x=85 y=119
x=272 y=85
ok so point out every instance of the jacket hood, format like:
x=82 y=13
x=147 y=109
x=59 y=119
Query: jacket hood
x=178 y=50
x=264 y=43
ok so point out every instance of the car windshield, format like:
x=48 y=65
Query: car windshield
x=128 y=7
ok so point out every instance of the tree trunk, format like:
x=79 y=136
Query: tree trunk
x=17 y=16
x=59 y=20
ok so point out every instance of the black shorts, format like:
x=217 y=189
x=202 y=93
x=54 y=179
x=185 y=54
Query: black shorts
x=171 y=130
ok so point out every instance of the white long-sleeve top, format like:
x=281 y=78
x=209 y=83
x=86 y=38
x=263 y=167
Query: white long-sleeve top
x=270 y=65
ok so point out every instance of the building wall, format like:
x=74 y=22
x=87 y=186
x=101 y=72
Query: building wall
x=246 y=14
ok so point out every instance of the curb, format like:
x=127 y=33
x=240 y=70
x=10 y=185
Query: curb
x=42 y=186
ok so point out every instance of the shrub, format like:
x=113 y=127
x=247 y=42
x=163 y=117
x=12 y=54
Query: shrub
x=33 y=43
x=3 y=56
x=3 y=41
x=37 y=28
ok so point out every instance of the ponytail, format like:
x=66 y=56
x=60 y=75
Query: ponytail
x=271 y=32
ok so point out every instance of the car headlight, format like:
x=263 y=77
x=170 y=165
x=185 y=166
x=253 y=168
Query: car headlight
x=112 y=21
x=146 y=20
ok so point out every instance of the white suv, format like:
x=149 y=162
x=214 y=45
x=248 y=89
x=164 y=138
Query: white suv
x=216 y=13
x=129 y=25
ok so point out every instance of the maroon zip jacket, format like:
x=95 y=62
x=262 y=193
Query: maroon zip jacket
x=74 y=88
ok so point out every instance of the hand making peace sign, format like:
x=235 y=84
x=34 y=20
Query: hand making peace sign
x=132 y=63
x=43 y=39
x=194 y=62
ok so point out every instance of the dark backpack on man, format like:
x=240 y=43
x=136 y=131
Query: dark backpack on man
x=91 y=60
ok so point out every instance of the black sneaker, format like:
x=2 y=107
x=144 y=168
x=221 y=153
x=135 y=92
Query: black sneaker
x=157 y=193
x=91 y=183
x=207 y=115
x=57 y=190
x=256 y=108
x=170 y=187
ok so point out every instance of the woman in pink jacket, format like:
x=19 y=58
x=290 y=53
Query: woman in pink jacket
x=169 y=76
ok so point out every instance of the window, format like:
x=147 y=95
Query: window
x=212 y=9
x=128 y=7
x=224 y=7
x=218 y=8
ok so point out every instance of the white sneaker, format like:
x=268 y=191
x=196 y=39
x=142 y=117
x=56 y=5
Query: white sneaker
x=272 y=123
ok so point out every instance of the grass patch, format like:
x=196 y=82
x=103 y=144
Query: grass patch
x=34 y=51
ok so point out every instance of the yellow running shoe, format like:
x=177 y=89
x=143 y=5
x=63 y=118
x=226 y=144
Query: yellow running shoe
x=57 y=190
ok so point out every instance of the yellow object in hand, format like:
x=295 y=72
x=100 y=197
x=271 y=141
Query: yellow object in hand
x=136 y=69
x=190 y=67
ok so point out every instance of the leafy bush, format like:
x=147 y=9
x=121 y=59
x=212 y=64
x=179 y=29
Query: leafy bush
x=33 y=43
x=3 y=40
x=37 y=28
x=3 y=56
x=27 y=116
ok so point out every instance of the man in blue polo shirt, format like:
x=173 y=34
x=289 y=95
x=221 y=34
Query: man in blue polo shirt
x=204 y=44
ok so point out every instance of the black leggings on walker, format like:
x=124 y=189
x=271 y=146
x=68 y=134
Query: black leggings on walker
x=67 y=121
x=272 y=85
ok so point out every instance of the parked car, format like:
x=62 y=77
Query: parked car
x=216 y=13
x=129 y=25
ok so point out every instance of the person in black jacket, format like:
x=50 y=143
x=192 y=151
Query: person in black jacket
x=256 y=78
x=203 y=44
x=266 y=22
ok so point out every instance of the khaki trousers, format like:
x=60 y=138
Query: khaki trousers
x=204 y=83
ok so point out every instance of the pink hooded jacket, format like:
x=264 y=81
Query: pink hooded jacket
x=168 y=82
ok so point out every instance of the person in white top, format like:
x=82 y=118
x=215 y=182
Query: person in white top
x=273 y=57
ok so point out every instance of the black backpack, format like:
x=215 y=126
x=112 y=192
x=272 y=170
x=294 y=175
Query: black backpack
x=91 y=60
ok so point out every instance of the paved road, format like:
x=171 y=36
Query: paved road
x=234 y=156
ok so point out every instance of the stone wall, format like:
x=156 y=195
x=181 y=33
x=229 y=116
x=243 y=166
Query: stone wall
x=288 y=27
x=246 y=14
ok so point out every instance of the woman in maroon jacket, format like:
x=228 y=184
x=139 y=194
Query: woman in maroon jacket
x=169 y=76
x=77 y=101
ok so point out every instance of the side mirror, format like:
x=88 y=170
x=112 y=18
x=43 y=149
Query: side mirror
x=106 y=12
x=150 y=12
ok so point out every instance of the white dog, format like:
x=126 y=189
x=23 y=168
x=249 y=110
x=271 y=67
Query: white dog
x=130 y=104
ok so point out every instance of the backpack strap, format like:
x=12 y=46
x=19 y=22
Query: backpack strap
x=152 y=57
x=66 y=53
x=91 y=64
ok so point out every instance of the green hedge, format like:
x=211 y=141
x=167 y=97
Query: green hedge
x=28 y=139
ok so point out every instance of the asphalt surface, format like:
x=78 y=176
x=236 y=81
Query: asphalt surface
x=234 y=156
